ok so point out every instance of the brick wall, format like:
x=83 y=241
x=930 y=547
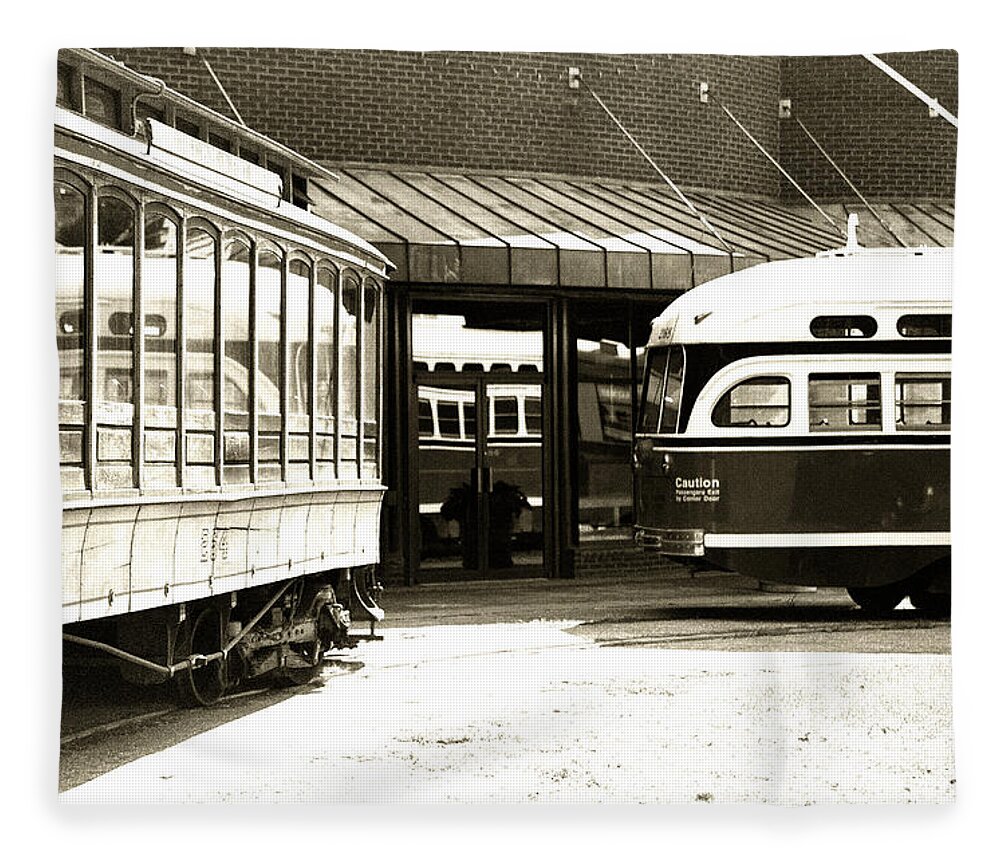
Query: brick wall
x=879 y=134
x=515 y=111
x=509 y=111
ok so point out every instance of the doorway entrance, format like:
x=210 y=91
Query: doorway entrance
x=479 y=391
x=479 y=470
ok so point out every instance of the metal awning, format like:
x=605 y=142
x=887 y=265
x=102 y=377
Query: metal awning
x=499 y=229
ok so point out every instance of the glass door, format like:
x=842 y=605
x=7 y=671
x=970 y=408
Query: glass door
x=479 y=476
x=449 y=475
x=478 y=370
x=512 y=474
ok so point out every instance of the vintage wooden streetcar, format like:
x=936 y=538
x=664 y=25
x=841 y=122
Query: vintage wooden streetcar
x=795 y=425
x=220 y=460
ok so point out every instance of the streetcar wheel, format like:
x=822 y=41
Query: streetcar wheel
x=879 y=598
x=203 y=685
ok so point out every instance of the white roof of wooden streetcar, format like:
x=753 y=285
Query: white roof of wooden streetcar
x=776 y=302
x=201 y=165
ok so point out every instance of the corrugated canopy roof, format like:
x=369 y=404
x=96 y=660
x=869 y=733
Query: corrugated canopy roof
x=476 y=228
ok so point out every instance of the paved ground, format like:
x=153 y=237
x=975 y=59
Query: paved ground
x=481 y=697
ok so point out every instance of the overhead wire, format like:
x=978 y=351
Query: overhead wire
x=781 y=169
x=853 y=187
x=704 y=221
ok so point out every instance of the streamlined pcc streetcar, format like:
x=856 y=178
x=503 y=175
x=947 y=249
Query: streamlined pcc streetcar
x=795 y=425
x=219 y=397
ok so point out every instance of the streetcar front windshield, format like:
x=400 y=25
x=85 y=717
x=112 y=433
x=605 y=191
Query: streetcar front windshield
x=662 y=390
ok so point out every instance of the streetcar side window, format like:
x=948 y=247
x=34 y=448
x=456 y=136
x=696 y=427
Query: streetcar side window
x=327 y=365
x=297 y=304
x=923 y=401
x=533 y=415
x=448 y=419
x=349 y=368
x=844 y=402
x=268 y=380
x=71 y=233
x=505 y=418
x=102 y=103
x=425 y=419
x=199 y=318
x=370 y=376
x=114 y=271
x=160 y=297
x=469 y=419
x=236 y=325
x=764 y=401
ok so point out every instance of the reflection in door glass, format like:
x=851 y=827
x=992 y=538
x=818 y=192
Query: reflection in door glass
x=479 y=435
x=446 y=342
x=446 y=462
x=513 y=460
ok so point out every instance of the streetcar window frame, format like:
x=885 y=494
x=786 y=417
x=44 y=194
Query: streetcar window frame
x=505 y=421
x=449 y=417
x=862 y=410
x=425 y=418
x=724 y=405
x=133 y=324
x=903 y=402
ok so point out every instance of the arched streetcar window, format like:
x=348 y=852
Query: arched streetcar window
x=236 y=325
x=349 y=366
x=114 y=275
x=237 y=361
x=200 y=385
x=763 y=401
x=269 y=366
x=71 y=230
x=370 y=377
x=159 y=285
x=71 y=233
x=199 y=318
x=325 y=337
x=299 y=374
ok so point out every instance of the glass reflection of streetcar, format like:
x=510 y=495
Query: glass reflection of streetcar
x=456 y=514
x=220 y=460
x=479 y=434
x=795 y=425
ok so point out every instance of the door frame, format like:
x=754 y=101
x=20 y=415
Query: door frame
x=404 y=500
